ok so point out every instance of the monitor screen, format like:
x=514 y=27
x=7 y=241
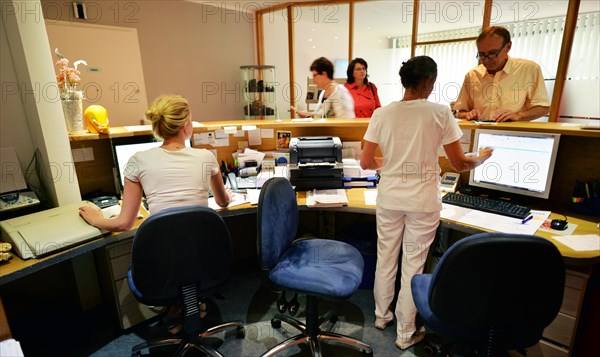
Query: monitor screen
x=522 y=162
x=124 y=148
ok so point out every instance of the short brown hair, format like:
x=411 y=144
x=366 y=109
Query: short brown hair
x=321 y=65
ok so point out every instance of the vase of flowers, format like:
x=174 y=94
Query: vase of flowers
x=71 y=98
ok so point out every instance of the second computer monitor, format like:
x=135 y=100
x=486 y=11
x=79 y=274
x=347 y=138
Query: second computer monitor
x=522 y=162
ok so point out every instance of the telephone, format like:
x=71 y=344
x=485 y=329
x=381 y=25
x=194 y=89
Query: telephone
x=232 y=179
x=105 y=201
x=449 y=181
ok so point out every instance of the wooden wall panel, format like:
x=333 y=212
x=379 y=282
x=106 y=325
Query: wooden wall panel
x=97 y=174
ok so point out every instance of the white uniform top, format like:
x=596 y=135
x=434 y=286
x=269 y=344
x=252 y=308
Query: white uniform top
x=517 y=87
x=339 y=104
x=410 y=134
x=173 y=178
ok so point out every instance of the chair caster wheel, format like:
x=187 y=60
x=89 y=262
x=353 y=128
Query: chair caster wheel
x=136 y=354
x=333 y=319
x=430 y=351
x=367 y=354
x=275 y=323
x=240 y=332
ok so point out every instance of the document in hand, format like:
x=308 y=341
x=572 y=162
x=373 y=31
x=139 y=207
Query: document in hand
x=326 y=198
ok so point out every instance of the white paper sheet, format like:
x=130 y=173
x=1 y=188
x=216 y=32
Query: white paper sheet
x=254 y=137
x=238 y=199
x=253 y=195
x=370 y=197
x=585 y=242
x=267 y=133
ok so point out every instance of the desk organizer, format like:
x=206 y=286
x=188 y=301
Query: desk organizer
x=586 y=198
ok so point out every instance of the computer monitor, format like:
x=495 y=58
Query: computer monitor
x=522 y=162
x=124 y=148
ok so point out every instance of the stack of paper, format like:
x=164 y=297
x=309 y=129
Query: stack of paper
x=368 y=182
x=352 y=169
x=326 y=198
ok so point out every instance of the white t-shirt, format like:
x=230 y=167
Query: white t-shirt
x=409 y=134
x=339 y=104
x=173 y=178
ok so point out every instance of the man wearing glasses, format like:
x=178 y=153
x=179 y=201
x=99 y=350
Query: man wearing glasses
x=501 y=88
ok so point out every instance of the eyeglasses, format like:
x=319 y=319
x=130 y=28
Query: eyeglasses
x=491 y=55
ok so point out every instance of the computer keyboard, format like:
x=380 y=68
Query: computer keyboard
x=487 y=205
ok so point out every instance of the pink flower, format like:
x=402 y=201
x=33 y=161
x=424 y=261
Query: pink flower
x=63 y=62
x=68 y=77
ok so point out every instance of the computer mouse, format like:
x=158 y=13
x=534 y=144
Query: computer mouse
x=559 y=224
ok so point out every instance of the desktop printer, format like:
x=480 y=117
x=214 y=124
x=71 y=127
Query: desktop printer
x=316 y=162
x=44 y=232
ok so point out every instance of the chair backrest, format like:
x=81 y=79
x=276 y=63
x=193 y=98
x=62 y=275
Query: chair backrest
x=500 y=280
x=277 y=218
x=179 y=246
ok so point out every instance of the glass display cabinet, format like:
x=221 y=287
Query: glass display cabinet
x=258 y=92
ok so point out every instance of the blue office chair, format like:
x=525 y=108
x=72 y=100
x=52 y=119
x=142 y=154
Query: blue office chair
x=315 y=267
x=178 y=255
x=492 y=292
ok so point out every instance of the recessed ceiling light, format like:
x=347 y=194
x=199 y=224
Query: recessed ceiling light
x=310 y=40
x=335 y=37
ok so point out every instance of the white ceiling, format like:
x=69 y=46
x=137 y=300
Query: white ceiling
x=245 y=5
x=392 y=18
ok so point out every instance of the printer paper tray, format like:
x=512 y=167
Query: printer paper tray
x=319 y=183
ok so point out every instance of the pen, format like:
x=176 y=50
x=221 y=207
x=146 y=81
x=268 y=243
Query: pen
x=526 y=220
x=587 y=190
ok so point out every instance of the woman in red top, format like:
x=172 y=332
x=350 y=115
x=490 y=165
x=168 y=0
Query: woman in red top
x=363 y=92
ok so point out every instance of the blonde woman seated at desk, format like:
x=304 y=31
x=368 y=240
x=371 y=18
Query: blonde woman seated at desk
x=334 y=100
x=171 y=175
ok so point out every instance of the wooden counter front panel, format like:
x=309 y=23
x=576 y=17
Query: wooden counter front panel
x=578 y=158
x=98 y=173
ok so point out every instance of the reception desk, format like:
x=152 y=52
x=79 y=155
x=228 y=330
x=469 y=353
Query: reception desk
x=112 y=260
x=578 y=158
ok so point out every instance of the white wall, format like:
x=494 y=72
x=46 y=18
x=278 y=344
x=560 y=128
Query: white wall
x=186 y=48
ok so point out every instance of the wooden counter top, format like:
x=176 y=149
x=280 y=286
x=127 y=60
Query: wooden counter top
x=286 y=124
